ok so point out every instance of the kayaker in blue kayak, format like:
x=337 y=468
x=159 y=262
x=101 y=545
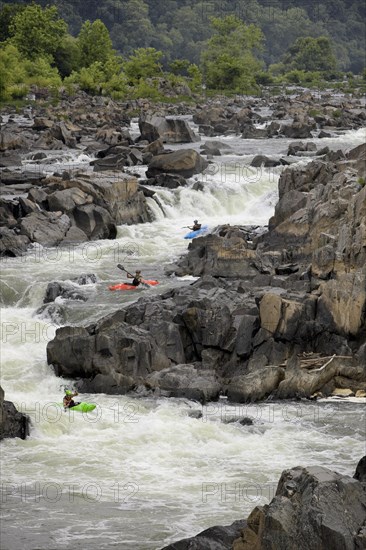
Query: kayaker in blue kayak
x=196 y=226
x=68 y=401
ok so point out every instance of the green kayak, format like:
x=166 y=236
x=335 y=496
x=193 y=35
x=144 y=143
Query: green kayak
x=82 y=407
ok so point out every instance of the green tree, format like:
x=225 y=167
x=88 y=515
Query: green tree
x=12 y=70
x=228 y=62
x=95 y=43
x=36 y=31
x=311 y=54
x=7 y=14
x=67 y=56
x=143 y=63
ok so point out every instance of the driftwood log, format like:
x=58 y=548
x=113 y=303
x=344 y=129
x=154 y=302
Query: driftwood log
x=306 y=376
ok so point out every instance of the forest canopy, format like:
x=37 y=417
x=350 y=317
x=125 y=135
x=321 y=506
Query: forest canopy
x=138 y=48
x=181 y=28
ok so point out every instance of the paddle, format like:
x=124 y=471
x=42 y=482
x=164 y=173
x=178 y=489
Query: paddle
x=128 y=273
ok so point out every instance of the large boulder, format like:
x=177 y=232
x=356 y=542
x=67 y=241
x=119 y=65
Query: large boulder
x=214 y=538
x=313 y=508
x=185 y=162
x=186 y=381
x=169 y=130
x=12 y=422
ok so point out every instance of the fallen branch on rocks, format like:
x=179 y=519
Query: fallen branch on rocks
x=316 y=361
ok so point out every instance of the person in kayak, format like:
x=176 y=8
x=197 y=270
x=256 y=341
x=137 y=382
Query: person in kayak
x=137 y=278
x=196 y=226
x=68 y=401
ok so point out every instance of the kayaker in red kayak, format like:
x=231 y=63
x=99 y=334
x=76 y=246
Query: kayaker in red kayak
x=137 y=278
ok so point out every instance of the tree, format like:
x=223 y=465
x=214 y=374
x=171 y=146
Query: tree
x=67 y=56
x=7 y=14
x=95 y=43
x=36 y=31
x=228 y=62
x=311 y=54
x=143 y=63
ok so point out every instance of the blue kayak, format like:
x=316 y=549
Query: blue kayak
x=193 y=234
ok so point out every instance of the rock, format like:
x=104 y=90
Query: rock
x=9 y=159
x=340 y=392
x=168 y=130
x=262 y=160
x=360 y=393
x=214 y=538
x=167 y=180
x=112 y=162
x=52 y=312
x=313 y=508
x=10 y=140
x=63 y=289
x=42 y=123
x=185 y=162
x=60 y=132
x=12 y=422
x=360 y=473
x=12 y=244
x=296 y=130
x=254 y=386
x=44 y=228
x=186 y=381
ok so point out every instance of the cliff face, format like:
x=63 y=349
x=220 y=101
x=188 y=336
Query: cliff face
x=12 y=422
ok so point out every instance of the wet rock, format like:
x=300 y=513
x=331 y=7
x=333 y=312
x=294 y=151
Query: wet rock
x=185 y=162
x=12 y=422
x=254 y=386
x=360 y=473
x=167 y=180
x=313 y=508
x=214 y=538
x=186 y=381
x=52 y=312
x=262 y=160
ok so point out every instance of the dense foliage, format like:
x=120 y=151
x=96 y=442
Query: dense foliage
x=180 y=28
x=127 y=48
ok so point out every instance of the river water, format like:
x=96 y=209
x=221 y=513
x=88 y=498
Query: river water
x=141 y=473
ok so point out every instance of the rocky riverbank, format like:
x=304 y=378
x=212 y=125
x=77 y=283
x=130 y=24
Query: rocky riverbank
x=314 y=508
x=277 y=311
x=74 y=206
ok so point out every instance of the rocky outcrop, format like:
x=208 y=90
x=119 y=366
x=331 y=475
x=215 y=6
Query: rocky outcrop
x=63 y=210
x=12 y=422
x=313 y=508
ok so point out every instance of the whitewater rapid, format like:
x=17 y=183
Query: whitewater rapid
x=140 y=473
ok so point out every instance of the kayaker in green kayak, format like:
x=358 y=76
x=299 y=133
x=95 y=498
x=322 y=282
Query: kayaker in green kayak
x=68 y=401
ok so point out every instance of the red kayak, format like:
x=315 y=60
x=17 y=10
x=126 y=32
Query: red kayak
x=127 y=286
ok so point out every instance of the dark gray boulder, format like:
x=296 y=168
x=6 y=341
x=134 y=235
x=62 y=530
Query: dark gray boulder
x=314 y=508
x=214 y=538
x=12 y=422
